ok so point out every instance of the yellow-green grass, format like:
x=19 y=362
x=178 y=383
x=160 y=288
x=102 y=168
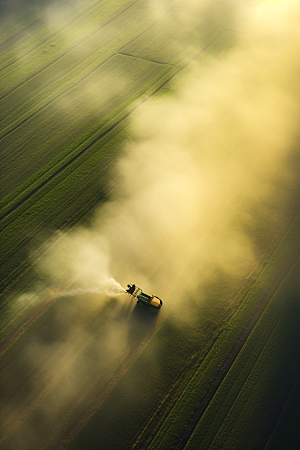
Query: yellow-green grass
x=67 y=126
x=37 y=26
x=31 y=154
x=48 y=205
x=73 y=66
x=24 y=115
x=75 y=35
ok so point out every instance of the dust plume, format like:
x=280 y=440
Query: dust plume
x=110 y=288
x=206 y=179
x=206 y=184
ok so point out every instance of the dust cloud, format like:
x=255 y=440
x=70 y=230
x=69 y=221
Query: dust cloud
x=207 y=181
x=110 y=288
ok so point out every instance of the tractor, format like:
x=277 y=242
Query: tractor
x=151 y=302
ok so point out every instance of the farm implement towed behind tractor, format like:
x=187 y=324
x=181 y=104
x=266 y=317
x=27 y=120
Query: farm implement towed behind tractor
x=151 y=302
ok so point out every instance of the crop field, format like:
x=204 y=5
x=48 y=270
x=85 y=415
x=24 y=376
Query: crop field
x=154 y=143
x=51 y=117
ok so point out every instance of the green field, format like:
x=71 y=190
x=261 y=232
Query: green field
x=219 y=366
x=54 y=124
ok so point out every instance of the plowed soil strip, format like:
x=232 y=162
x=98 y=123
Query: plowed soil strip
x=220 y=375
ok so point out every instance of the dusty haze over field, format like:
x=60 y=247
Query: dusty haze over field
x=205 y=182
x=204 y=168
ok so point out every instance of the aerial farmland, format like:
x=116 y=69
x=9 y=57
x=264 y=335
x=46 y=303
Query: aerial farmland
x=151 y=142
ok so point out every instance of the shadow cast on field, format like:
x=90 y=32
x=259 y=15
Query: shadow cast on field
x=141 y=324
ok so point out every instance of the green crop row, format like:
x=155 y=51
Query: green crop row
x=47 y=206
x=207 y=371
x=73 y=128
x=87 y=145
x=38 y=28
x=66 y=72
x=244 y=407
x=59 y=45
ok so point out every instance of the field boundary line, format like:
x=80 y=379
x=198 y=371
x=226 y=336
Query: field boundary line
x=145 y=59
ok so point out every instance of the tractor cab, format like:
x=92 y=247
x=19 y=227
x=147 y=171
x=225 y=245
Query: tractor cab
x=151 y=302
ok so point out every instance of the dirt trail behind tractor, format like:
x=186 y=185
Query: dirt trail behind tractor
x=151 y=302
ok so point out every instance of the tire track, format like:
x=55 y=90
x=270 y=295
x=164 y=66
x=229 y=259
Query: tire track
x=237 y=347
x=250 y=391
x=255 y=360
